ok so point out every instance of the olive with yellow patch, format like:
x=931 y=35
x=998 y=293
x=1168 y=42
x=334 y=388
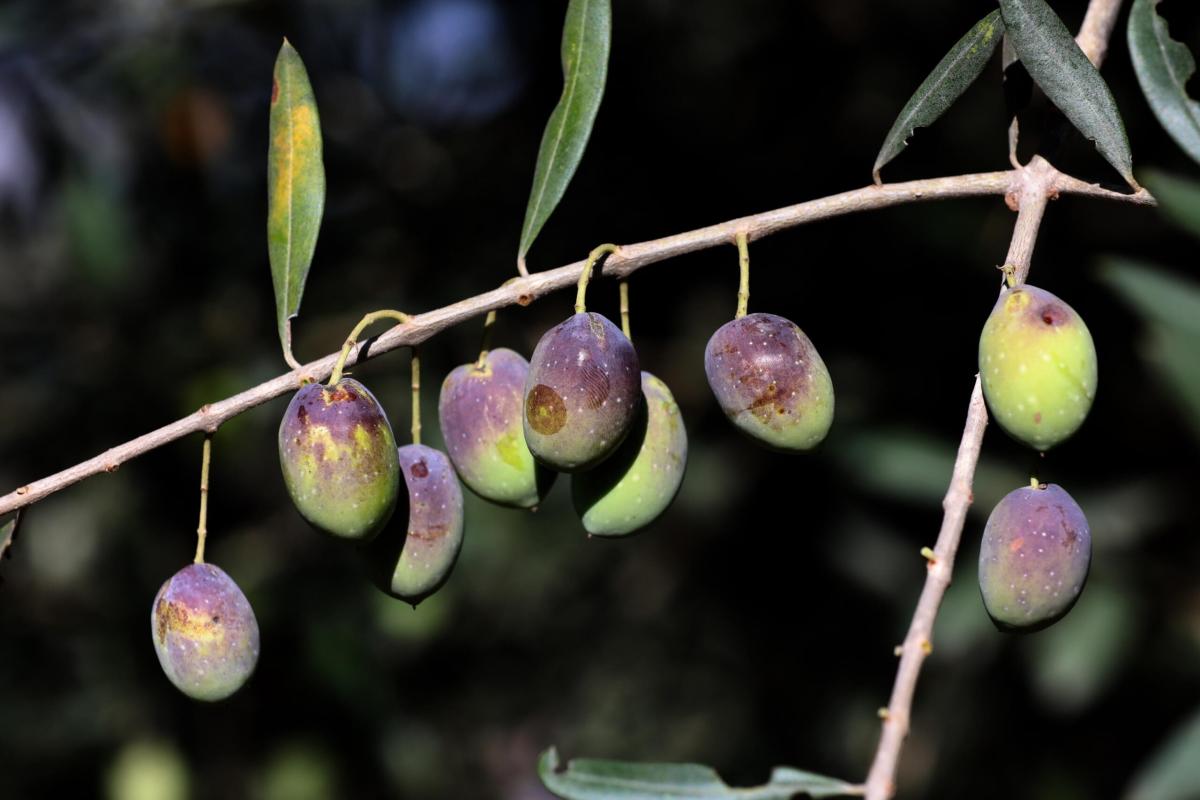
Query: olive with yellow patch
x=1037 y=363
x=480 y=410
x=1034 y=559
x=633 y=487
x=338 y=456
x=770 y=381
x=582 y=393
x=412 y=563
x=204 y=632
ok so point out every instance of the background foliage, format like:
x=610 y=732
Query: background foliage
x=751 y=626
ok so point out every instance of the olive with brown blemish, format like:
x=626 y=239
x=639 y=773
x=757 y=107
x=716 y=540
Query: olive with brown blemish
x=413 y=561
x=770 y=381
x=480 y=409
x=205 y=632
x=1034 y=559
x=338 y=457
x=1037 y=364
x=581 y=394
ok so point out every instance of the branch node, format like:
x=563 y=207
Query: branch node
x=926 y=646
x=898 y=650
x=884 y=714
x=929 y=555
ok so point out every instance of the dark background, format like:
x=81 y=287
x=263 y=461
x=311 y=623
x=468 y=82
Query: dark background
x=753 y=624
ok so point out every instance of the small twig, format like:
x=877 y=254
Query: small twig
x=416 y=396
x=523 y=291
x=202 y=527
x=1033 y=191
x=743 y=304
x=1097 y=29
x=624 y=290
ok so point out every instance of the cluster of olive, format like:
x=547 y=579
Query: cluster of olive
x=1037 y=364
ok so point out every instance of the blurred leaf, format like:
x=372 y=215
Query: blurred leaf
x=1178 y=199
x=1072 y=83
x=949 y=79
x=1172 y=306
x=587 y=36
x=1078 y=657
x=1154 y=293
x=593 y=779
x=1163 y=68
x=295 y=186
x=915 y=467
x=1173 y=772
x=148 y=770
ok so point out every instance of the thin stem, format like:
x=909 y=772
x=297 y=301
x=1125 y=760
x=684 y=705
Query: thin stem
x=352 y=339
x=1032 y=194
x=743 y=247
x=416 y=396
x=586 y=274
x=523 y=291
x=485 y=339
x=625 y=310
x=288 y=356
x=202 y=527
x=522 y=270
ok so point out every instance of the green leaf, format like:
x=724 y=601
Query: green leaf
x=1173 y=772
x=1178 y=199
x=587 y=36
x=593 y=779
x=1072 y=83
x=1163 y=67
x=1171 y=306
x=949 y=79
x=295 y=187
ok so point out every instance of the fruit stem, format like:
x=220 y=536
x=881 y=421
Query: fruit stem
x=625 y=310
x=416 y=397
x=743 y=246
x=352 y=339
x=586 y=275
x=202 y=528
x=486 y=339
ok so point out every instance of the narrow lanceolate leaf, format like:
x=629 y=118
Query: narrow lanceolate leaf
x=1163 y=68
x=1178 y=198
x=1072 y=83
x=295 y=186
x=587 y=36
x=592 y=779
x=1173 y=772
x=949 y=79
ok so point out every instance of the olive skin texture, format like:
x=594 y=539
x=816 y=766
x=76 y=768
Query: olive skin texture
x=205 y=632
x=637 y=484
x=412 y=562
x=338 y=457
x=1034 y=559
x=582 y=393
x=1037 y=363
x=770 y=381
x=481 y=410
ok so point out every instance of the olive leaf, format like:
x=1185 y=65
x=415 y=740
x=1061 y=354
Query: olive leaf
x=1163 y=68
x=1178 y=198
x=587 y=37
x=1173 y=772
x=945 y=84
x=295 y=187
x=593 y=779
x=1068 y=78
